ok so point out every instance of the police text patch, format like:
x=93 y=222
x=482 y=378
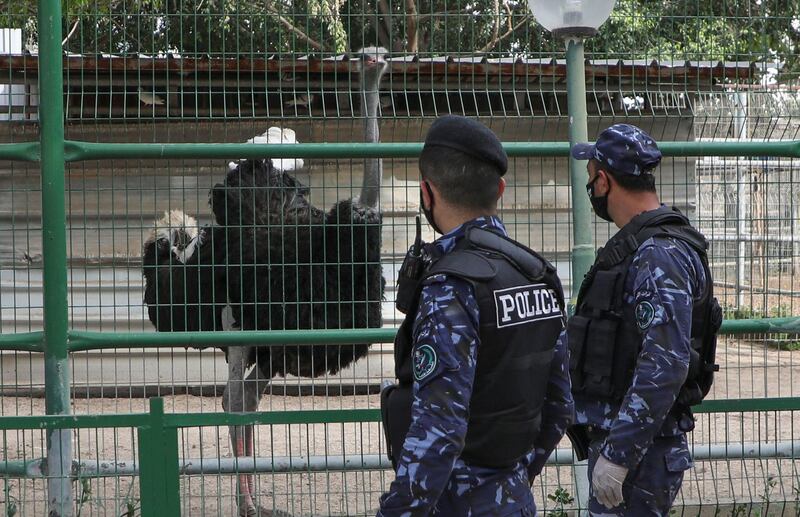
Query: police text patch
x=424 y=361
x=526 y=304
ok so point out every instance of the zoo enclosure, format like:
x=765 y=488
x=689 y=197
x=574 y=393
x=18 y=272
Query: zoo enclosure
x=60 y=338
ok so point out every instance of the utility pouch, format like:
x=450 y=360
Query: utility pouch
x=396 y=402
x=601 y=296
x=577 y=329
x=598 y=362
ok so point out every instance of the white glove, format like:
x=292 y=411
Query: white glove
x=607 y=479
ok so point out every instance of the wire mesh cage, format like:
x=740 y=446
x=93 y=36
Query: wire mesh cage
x=211 y=72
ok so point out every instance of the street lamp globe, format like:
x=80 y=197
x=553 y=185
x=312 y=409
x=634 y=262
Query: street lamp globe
x=572 y=18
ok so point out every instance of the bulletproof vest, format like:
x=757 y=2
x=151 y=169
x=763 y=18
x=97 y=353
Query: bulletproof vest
x=521 y=305
x=604 y=340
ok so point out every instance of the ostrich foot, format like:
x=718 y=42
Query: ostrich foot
x=247 y=503
x=260 y=511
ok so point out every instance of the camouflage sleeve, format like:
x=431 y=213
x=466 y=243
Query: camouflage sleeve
x=558 y=410
x=662 y=297
x=445 y=349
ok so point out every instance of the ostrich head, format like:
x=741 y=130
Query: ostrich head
x=175 y=232
x=371 y=67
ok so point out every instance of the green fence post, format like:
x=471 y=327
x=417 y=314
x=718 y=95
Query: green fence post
x=54 y=253
x=159 y=485
x=582 y=245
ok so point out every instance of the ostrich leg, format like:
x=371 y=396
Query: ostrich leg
x=243 y=395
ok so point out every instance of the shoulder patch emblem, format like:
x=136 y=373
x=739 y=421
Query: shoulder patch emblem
x=645 y=314
x=425 y=361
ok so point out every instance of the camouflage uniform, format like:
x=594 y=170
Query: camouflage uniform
x=431 y=477
x=665 y=279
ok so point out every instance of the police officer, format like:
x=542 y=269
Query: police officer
x=640 y=338
x=483 y=395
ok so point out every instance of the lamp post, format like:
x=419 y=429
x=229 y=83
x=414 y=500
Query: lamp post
x=575 y=20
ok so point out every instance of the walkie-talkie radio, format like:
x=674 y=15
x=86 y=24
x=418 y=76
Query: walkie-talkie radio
x=410 y=273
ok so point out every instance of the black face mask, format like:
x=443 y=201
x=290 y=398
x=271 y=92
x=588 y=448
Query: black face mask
x=428 y=211
x=599 y=203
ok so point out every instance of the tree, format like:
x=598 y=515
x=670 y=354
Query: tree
x=723 y=30
x=751 y=30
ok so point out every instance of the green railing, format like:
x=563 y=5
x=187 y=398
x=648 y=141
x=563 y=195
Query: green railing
x=159 y=467
x=79 y=341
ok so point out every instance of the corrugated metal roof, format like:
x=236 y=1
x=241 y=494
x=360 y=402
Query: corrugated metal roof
x=403 y=65
x=105 y=86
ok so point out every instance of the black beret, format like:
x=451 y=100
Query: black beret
x=469 y=137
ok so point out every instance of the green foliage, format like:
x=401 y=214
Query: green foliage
x=130 y=504
x=745 y=312
x=769 y=486
x=561 y=497
x=84 y=495
x=750 y=30
x=739 y=510
x=10 y=501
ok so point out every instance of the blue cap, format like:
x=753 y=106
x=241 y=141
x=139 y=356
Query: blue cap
x=469 y=137
x=624 y=148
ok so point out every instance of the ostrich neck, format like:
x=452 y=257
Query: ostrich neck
x=373 y=167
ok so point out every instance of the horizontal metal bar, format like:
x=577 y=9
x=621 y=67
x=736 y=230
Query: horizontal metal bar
x=373 y=415
x=72 y=421
x=327 y=416
x=762 y=326
x=78 y=150
x=747 y=237
x=789 y=149
x=756 y=289
x=749 y=405
x=24 y=342
x=185 y=420
x=23 y=469
x=22 y=152
x=181 y=420
x=81 y=340
x=353 y=462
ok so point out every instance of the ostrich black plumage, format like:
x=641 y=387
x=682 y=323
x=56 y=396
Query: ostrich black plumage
x=273 y=261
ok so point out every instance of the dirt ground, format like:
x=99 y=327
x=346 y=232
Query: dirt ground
x=750 y=369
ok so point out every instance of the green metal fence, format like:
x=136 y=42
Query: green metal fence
x=716 y=82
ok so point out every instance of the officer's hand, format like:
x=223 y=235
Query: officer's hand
x=607 y=479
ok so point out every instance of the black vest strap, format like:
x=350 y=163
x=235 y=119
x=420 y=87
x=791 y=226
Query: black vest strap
x=465 y=263
x=529 y=263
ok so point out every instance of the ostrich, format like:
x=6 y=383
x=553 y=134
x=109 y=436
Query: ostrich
x=273 y=261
